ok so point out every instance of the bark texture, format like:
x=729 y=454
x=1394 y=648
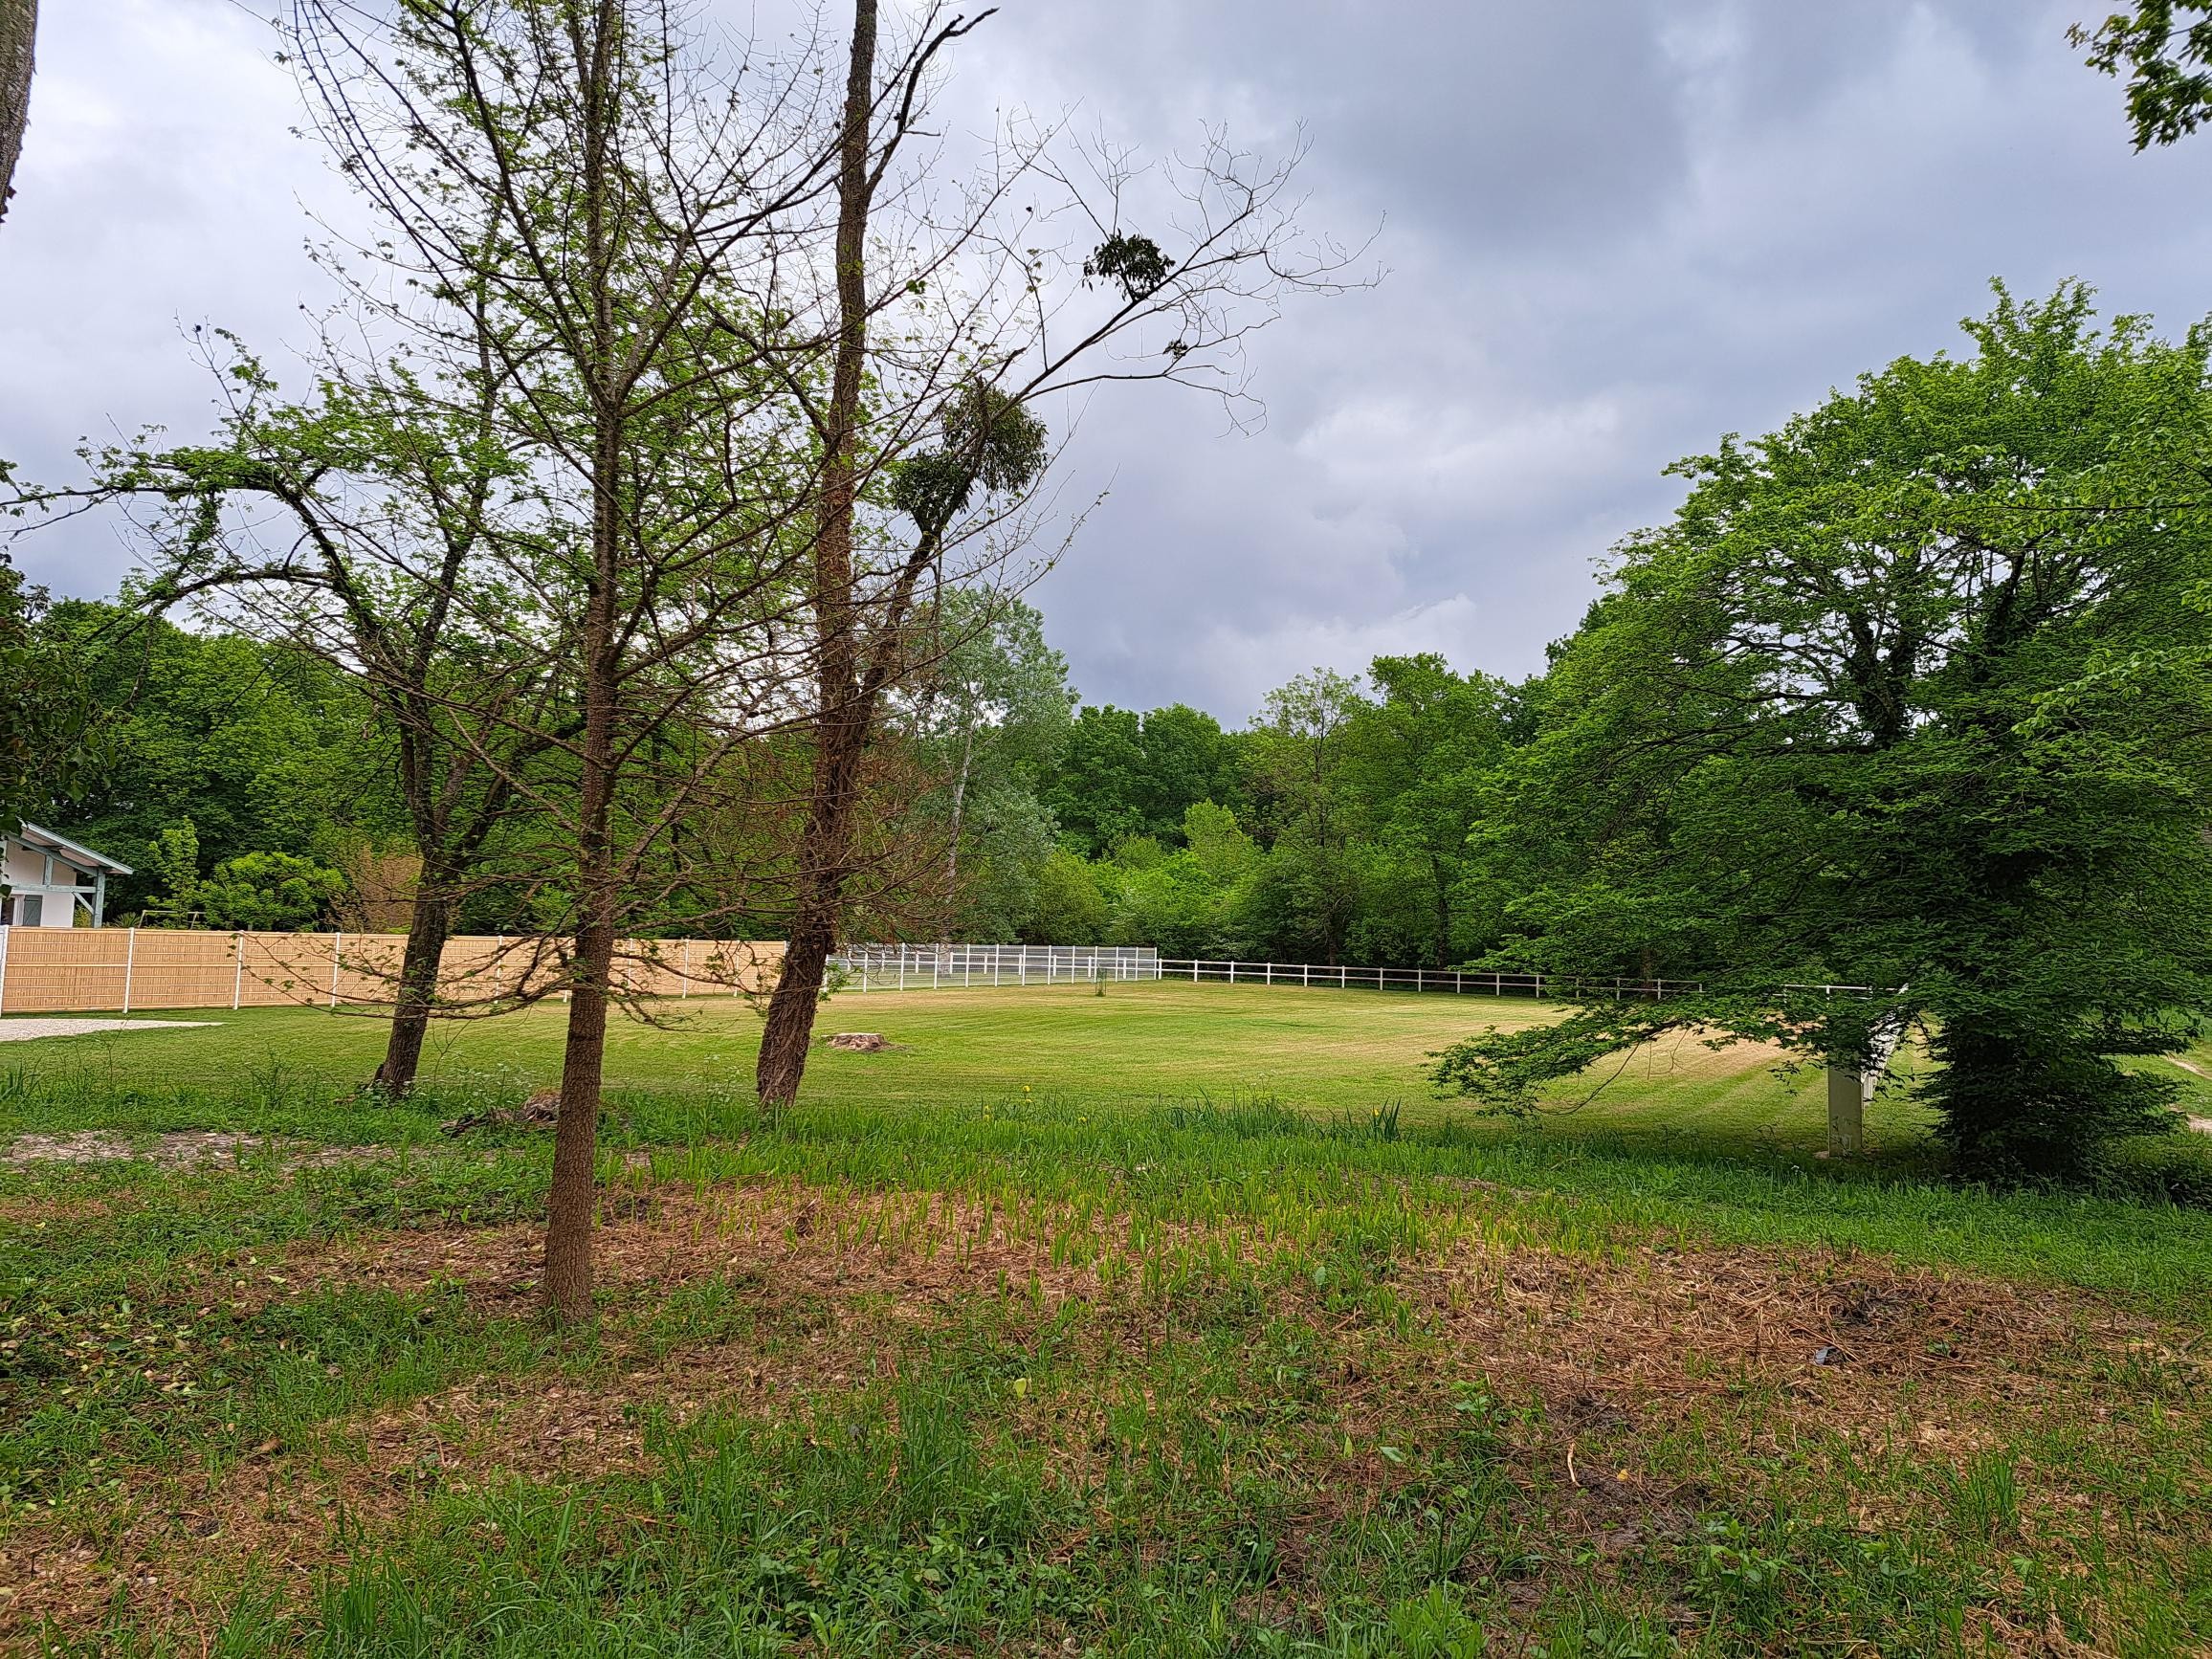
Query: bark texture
x=18 y=29
x=417 y=992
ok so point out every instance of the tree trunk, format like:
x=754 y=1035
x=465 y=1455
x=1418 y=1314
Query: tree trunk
x=572 y=1203
x=1443 y=912
x=968 y=751
x=844 y=707
x=817 y=916
x=428 y=925
x=18 y=29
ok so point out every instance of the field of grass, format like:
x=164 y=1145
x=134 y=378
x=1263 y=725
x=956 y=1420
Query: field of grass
x=1176 y=1320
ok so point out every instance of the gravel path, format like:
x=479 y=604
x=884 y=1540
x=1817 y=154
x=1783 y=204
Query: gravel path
x=22 y=1031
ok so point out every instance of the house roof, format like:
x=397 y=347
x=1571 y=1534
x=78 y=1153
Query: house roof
x=74 y=851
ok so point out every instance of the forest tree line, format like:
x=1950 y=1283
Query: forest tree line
x=249 y=785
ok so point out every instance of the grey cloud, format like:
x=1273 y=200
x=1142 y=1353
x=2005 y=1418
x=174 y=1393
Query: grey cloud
x=1615 y=229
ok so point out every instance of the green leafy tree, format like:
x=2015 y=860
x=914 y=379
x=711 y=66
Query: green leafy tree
x=1218 y=844
x=1423 y=755
x=1065 y=906
x=2163 y=50
x=1098 y=783
x=1122 y=773
x=263 y=748
x=175 y=864
x=270 y=892
x=1308 y=895
x=51 y=731
x=1010 y=838
x=990 y=720
x=1910 y=694
x=1189 y=901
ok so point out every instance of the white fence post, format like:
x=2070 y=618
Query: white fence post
x=4 y=933
x=237 y=967
x=337 y=956
x=129 y=964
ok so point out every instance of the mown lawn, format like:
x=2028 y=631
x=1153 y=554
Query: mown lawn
x=1177 y=1320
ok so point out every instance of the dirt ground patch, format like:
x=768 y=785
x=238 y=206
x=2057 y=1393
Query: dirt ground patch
x=916 y=1248
x=1666 y=1329
x=181 y=1150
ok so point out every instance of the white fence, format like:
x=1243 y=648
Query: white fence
x=884 y=967
x=1449 y=981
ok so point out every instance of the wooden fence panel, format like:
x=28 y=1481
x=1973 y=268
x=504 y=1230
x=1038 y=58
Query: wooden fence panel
x=48 y=970
x=172 y=968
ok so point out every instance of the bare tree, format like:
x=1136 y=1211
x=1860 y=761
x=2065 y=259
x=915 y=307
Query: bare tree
x=1043 y=283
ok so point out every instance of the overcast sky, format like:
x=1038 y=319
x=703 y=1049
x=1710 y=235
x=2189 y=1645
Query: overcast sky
x=1613 y=230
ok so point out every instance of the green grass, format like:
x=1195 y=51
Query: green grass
x=1175 y=1321
x=1317 y=1051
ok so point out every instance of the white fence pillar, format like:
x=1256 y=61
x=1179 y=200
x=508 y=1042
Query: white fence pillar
x=129 y=965
x=1846 y=1113
x=237 y=968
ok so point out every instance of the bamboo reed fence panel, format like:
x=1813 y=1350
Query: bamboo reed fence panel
x=91 y=971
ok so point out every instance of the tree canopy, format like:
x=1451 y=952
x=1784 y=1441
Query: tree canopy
x=1910 y=696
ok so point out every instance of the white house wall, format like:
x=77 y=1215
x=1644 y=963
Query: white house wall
x=33 y=870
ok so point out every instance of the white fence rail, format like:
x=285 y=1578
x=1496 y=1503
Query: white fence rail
x=883 y=967
x=1449 y=981
x=906 y=967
